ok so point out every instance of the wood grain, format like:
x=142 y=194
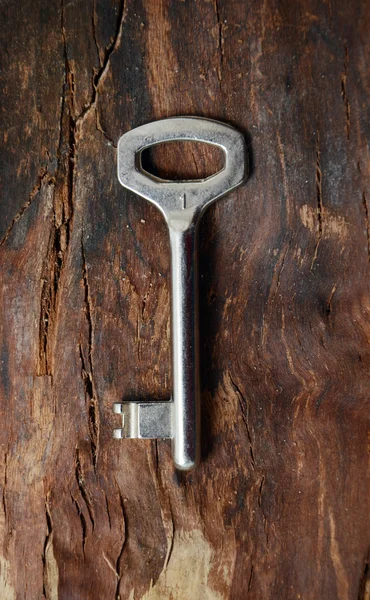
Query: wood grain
x=280 y=505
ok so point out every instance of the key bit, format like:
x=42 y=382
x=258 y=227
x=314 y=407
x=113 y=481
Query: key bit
x=182 y=203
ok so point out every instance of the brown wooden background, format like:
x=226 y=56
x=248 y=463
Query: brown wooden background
x=279 y=508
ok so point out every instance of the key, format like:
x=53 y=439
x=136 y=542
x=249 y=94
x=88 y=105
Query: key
x=182 y=203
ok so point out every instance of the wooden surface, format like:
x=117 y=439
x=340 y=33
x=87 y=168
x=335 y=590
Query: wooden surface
x=280 y=506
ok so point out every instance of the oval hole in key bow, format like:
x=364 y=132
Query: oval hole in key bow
x=182 y=161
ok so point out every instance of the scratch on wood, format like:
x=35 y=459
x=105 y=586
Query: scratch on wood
x=164 y=502
x=220 y=44
x=275 y=284
x=172 y=539
x=287 y=349
x=44 y=177
x=280 y=270
x=284 y=174
x=340 y=571
x=319 y=207
x=110 y=565
x=263 y=514
x=244 y=407
x=328 y=304
x=344 y=91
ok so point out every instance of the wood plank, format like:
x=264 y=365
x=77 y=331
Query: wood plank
x=279 y=507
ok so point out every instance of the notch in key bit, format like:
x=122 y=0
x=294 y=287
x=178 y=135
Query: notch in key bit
x=182 y=203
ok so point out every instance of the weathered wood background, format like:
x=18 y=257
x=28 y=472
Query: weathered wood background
x=280 y=506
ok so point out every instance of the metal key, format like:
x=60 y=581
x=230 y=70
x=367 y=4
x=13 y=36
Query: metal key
x=182 y=203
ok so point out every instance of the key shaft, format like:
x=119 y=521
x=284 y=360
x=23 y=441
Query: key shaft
x=185 y=346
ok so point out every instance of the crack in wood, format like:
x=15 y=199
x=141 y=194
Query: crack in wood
x=102 y=72
x=80 y=478
x=123 y=545
x=82 y=521
x=366 y=208
x=244 y=408
x=107 y=509
x=172 y=541
x=328 y=309
x=87 y=370
x=250 y=579
x=4 y=501
x=47 y=542
x=61 y=219
x=95 y=38
x=164 y=500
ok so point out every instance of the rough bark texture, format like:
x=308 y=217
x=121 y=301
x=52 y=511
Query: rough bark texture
x=280 y=506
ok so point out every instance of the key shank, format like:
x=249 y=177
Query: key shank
x=185 y=345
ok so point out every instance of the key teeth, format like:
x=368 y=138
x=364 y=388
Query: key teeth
x=118 y=434
x=145 y=420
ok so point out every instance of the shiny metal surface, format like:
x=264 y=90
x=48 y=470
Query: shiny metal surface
x=182 y=203
x=181 y=198
x=144 y=420
x=185 y=359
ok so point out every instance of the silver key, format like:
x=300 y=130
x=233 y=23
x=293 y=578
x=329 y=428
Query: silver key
x=182 y=203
